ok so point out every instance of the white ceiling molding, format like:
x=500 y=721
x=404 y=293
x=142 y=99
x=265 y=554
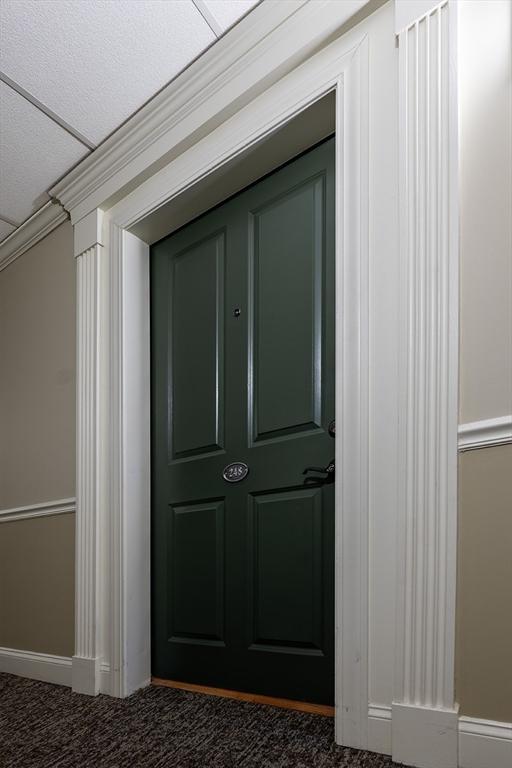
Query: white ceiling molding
x=225 y=74
x=31 y=232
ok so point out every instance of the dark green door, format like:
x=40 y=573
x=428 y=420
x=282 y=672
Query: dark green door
x=243 y=371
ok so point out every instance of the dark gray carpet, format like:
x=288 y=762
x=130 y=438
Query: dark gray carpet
x=47 y=726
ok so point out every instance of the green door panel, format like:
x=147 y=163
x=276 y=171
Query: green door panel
x=294 y=581
x=242 y=343
x=196 y=334
x=285 y=294
x=196 y=585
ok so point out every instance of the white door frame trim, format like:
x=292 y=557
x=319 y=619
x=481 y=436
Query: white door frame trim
x=113 y=435
x=120 y=293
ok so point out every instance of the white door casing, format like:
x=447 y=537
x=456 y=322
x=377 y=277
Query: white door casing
x=127 y=321
x=297 y=53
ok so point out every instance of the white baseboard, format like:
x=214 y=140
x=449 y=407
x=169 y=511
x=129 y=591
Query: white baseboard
x=484 y=743
x=481 y=743
x=46 y=667
x=85 y=677
x=379 y=729
x=37 y=666
x=424 y=737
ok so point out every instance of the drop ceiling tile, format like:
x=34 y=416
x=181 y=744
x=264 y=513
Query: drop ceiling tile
x=34 y=153
x=227 y=12
x=95 y=62
x=5 y=229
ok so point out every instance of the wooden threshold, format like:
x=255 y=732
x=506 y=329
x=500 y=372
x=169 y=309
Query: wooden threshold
x=254 y=698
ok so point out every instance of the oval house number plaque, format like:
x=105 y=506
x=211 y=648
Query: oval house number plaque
x=235 y=472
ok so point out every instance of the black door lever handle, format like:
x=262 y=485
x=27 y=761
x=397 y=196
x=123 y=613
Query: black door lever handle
x=328 y=470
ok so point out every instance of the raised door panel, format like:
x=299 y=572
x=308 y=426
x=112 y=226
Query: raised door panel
x=285 y=571
x=287 y=243
x=195 y=572
x=196 y=349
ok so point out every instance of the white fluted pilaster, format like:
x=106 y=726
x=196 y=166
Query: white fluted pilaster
x=86 y=661
x=424 y=711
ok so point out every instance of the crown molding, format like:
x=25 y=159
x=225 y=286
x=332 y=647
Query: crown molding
x=485 y=433
x=40 y=224
x=263 y=47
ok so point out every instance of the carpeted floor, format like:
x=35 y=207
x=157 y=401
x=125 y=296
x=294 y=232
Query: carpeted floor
x=46 y=726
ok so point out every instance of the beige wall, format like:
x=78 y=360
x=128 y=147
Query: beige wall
x=37 y=374
x=37 y=444
x=484 y=615
x=484 y=612
x=37 y=584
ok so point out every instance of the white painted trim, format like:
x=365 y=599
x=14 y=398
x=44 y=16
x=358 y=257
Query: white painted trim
x=88 y=232
x=44 y=509
x=213 y=117
x=343 y=67
x=28 y=234
x=45 y=667
x=263 y=47
x=130 y=462
x=484 y=743
x=492 y=729
x=424 y=736
x=485 y=433
x=90 y=471
x=379 y=729
x=424 y=710
x=36 y=666
x=407 y=11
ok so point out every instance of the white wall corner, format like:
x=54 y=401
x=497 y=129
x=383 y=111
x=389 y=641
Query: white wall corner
x=424 y=736
x=85 y=675
x=88 y=232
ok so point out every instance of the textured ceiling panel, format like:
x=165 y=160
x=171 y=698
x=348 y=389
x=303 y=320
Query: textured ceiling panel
x=95 y=62
x=5 y=229
x=227 y=12
x=34 y=153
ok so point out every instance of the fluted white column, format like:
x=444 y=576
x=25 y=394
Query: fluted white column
x=424 y=714
x=86 y=661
